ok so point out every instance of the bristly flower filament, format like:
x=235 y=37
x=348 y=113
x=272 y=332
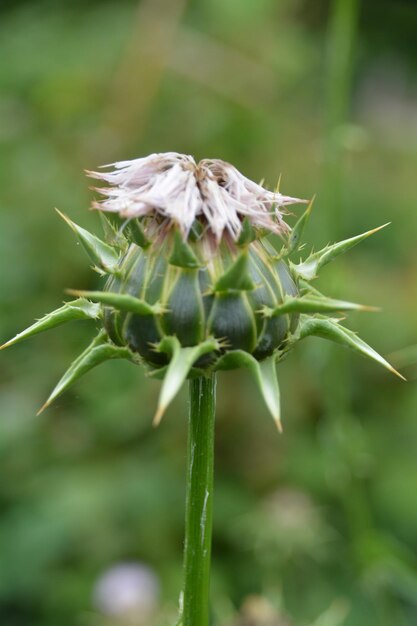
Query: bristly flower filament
x=173 y=187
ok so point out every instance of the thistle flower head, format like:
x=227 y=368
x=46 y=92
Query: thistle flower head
x=193 y=284
x=173 y=188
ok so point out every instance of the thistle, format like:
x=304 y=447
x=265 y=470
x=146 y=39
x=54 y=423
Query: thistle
x=194 y=286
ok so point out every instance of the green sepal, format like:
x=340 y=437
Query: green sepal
x=265 y=376
x=182 y=254
x=196 y=231
x=297 y=232
x=136 y=234
x=313 y=304
x=112 y=232
x=308 y=269
x=307 y=289
x=332 y=330
x=113 y=218
x=123 y=302
x=104 y=257
x=80 y=309
x=182 y=360
x=236 y=277
x=98 y=351
x=247 y=234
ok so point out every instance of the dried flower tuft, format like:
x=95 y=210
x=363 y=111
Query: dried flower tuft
x=174 y=187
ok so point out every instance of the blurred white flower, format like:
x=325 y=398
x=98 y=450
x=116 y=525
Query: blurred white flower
x=175 y=188
x=127 y=590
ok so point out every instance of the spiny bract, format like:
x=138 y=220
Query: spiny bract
x=193 y=284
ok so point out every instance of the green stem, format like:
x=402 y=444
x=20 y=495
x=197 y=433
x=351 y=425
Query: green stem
x=199 y=502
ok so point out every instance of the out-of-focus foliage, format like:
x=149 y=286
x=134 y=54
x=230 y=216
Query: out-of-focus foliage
x=317 y=526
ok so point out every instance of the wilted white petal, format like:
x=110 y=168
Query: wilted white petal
x=179 y=190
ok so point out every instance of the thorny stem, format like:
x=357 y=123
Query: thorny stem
x=199 y=499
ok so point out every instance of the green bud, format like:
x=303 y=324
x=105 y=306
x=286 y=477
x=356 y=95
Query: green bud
x=194 y=285
x=222 y=298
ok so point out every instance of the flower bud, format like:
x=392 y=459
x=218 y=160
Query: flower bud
x=194 y=284
x=223 y=296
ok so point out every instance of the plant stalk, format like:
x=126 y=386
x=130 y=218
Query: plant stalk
x=199 y=502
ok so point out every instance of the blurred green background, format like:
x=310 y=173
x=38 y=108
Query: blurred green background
x=318 y=526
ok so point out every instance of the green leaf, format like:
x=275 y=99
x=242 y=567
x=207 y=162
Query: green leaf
x=297 y=231
x=103 y=256
x=308 y=269
x=265 y=376
x=236 y=277
x=313 y=304
x=123 y=302
x=182 y=360
x=80 y=309
x=98 y=351
x=331 y=329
